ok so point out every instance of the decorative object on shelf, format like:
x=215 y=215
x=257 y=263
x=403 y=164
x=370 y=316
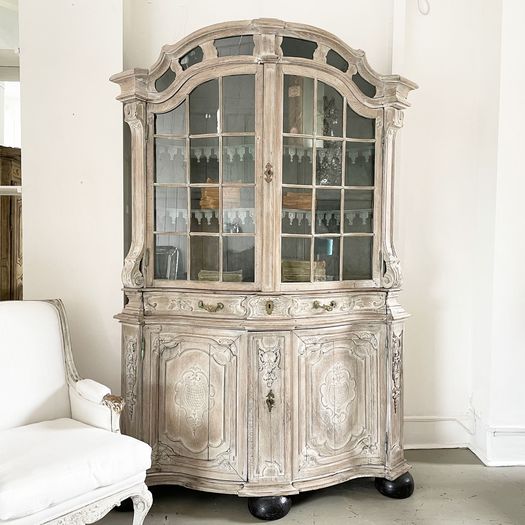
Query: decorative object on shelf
x=267 y=335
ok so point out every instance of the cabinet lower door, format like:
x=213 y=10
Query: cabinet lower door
x=339 y=399
x=201 y=424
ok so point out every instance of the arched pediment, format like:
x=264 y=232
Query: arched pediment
x=264 y=40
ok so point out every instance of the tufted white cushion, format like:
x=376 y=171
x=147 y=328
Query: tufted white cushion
x=44 y=464
x=32 y=371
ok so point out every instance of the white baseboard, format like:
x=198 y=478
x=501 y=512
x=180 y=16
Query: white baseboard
x=505 y=447
x=494 y=446
x=436 y=432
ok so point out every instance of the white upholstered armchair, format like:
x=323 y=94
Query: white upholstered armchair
x=62 y=457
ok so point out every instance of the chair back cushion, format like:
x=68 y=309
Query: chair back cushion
x=33 y=383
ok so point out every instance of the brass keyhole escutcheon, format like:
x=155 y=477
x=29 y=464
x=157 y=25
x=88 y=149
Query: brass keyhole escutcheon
x=268 y=172
x=269 y=307
x=270 y=400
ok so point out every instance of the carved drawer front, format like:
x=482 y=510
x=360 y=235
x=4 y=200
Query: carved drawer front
x=268 y=392
x=202 y=305
x=340 y=377
x=333 y=304
x=301 y=306
x=202 y=408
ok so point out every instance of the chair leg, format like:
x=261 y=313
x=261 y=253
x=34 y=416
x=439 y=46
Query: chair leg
x=141 y=505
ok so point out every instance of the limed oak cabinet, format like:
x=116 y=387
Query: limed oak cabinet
x=262 y=337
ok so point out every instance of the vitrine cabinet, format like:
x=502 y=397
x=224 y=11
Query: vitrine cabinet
x=262 y=337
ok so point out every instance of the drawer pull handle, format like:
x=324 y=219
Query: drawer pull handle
x=210 y=307
x=327 y=307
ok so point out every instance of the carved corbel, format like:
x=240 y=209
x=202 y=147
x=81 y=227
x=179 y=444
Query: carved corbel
x=391 y=275
x=135 y=116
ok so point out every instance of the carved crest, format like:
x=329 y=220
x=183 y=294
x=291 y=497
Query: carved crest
x=194 y=395
x=337 y=393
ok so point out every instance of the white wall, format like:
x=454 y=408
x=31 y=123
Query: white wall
x=458 y=183
x=446 y=211
x=72 y=170
x=364 y=24
x=505 y=426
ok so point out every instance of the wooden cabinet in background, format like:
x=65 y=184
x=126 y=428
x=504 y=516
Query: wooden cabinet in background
x=10 y=226
x=262 y=337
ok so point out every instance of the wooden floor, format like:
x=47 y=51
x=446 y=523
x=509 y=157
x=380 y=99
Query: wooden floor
x=452 y=488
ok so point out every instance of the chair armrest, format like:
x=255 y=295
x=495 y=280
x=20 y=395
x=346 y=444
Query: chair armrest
x=93 y=404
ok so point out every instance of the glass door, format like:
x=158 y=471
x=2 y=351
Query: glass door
x=328 y=203
x=206 y=158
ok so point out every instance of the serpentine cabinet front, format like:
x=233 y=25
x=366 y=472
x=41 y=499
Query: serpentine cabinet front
x=262 y=337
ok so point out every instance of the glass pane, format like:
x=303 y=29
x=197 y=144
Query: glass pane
x=170 y=257
x=357 y=258
x=171 y=209
x=359 y=127
x=328 y=162
x=173 y=122
x=204 y=108
x=297 y=211
x=296 y=47
x=298 y=100
x=238 y=210
x=326 y=255
x=204 y=161
x=238 y=159
x=336 y=60
x=192 y=57
x=366 y=88
x=297 y=161
x=329 y=111
x=170 y=161
x=328 y=211
x=204 y=258
x=238 y=93
x=359 y=164
x=238 y=259
x=234 y=45
x=165 y=80
x=205 y=209
x=295 y=255
x=359 y=211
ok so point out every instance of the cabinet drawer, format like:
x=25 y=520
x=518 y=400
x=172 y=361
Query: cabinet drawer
x=202 y=305
x=303 y=306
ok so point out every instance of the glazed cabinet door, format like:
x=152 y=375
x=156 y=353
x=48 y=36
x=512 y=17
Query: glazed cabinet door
x=340 y=389
x=200 y=391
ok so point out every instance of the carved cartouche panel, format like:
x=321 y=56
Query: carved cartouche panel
x=338 y=397
x=200 y=405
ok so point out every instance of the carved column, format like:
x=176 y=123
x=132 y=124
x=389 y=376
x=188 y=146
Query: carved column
x=391 y=272
x=135 y=116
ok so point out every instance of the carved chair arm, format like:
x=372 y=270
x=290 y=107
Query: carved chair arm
x=93 y=404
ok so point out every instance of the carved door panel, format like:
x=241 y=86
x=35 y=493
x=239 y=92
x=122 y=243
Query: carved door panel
x=201 y=403
x=268 y=407
x=340 y=389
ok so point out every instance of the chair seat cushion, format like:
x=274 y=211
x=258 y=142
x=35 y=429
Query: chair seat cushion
x=44 y=464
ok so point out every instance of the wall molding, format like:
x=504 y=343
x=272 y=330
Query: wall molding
x=438 y=431
x=498 y=446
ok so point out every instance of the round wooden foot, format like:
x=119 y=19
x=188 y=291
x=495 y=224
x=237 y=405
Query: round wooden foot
x=399 y=488
x=270 y=507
